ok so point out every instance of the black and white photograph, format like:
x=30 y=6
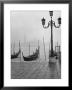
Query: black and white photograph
x=35 y=44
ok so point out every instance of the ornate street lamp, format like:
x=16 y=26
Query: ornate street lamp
x=59 y=20
x=43 y=21
x=51 y=13
x=51 y=23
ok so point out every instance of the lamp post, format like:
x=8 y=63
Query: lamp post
x=51 y=23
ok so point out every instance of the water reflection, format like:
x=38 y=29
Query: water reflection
x=35 y=70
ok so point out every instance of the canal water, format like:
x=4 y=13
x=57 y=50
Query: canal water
x=35 y=70
x=38 y=69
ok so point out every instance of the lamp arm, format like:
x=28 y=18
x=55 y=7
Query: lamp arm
x=47 y=25
x=56 y=26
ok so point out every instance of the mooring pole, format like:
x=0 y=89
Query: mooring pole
x=44 y=48
x=20 y=50
x=29 y=48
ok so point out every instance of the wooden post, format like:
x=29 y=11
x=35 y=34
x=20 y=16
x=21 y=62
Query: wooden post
x=29 y=48
x=11 y=48
x=44 y=48
x=49 y=47
x=20 y=50
x=14 y=49
x=39 y=48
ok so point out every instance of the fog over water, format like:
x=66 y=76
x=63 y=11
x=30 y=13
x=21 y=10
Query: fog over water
x=26 y=27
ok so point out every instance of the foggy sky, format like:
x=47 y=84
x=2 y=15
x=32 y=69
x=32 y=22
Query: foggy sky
x=27 y=26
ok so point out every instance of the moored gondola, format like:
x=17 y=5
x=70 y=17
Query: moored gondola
x=32 y=57
x=15 y=55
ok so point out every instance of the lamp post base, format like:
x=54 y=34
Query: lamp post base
x=52 y=59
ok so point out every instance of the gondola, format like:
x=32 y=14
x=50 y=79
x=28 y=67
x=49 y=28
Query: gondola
x=15 y=55
x=32 y=57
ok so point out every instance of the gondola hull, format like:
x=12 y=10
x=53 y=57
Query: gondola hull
x=32 y=57
x=29 y=59
x=15 y=55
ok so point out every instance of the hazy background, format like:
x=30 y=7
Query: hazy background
x=26 y=26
